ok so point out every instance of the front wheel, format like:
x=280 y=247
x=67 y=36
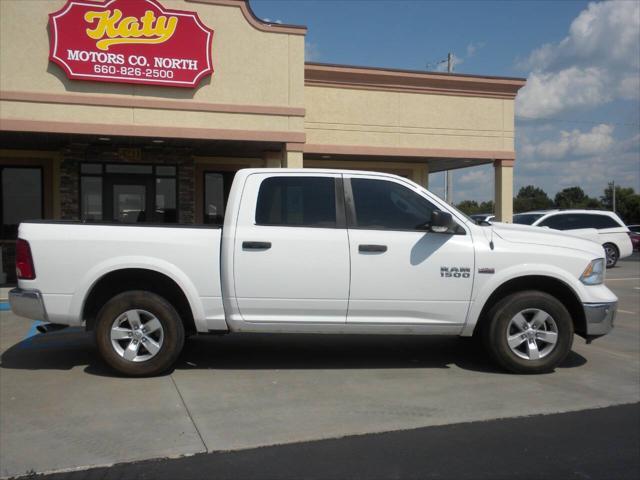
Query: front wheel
x=529 y=332
x=612 y=254
x=139 y=333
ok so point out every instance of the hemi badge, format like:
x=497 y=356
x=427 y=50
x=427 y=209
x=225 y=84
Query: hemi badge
x=487 y=270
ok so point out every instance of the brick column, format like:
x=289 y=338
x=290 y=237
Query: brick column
x=186 y=194
x=70 y=181
x=503 y=196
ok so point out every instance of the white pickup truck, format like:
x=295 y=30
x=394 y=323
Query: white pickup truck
x=317 y=251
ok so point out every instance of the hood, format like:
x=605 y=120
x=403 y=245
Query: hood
x=545 y=236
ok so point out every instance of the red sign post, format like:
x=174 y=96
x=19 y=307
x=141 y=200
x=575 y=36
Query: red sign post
x=130 y=41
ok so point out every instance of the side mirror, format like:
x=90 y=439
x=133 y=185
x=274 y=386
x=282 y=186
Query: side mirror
x=441 y=222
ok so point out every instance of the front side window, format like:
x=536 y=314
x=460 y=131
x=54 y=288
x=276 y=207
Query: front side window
x=562 y=222
x=297 y=202
x=385 y=205
x=526 y=218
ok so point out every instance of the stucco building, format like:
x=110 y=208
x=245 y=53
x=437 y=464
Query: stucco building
x=128 y=149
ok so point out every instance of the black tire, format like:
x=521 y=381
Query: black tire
x=496 y=330
x=172 y=333
x=612 y=254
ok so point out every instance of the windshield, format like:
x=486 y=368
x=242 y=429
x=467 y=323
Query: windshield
x=526 y=218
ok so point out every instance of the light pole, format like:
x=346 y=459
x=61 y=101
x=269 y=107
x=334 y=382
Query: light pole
x=448 y=177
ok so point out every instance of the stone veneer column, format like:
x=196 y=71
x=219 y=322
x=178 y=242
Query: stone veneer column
x=70 y=181
x=503 y=196
x=186 y=194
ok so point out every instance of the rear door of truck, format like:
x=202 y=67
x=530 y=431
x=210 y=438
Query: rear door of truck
x=291 y=249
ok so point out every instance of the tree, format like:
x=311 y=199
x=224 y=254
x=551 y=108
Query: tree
x=468 y=206
x=531 y=198
x=627 y=203
x=471 y=207
x=574 y=197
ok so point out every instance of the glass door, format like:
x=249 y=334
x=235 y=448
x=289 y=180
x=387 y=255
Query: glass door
x=128 y=200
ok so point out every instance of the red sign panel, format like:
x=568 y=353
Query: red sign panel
x=130 y=41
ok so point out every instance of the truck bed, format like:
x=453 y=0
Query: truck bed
x=72 y=256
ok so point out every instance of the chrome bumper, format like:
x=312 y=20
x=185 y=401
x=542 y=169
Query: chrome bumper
x=27 y=303
x=599 y=318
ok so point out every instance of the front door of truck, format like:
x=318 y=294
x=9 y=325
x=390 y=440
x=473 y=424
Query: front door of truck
x=291 y=251
x=401 y=273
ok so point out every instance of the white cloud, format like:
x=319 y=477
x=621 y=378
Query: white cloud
x=589 y=158
x=548 y=93
x=472 y=48
x=597 y=62
x=475 y=176
x=571 y=143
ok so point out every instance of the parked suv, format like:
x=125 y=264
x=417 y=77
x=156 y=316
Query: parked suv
x=611 y=231
x=634 y=235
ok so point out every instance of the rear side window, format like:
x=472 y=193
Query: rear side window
x=297 y=202
x=602 y=221
x=380 y=204
x=574 y=221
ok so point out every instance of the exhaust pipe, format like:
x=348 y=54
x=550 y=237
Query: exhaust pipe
x=50 y=327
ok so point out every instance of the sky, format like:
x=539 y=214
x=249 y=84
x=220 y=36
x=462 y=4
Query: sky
x=578 y=117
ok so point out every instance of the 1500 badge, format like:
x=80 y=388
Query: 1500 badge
x=455 y=272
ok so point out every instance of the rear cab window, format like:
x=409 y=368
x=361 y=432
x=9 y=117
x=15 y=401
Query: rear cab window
x=297 y=202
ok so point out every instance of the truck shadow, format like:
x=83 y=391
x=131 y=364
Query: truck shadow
x=72 y=348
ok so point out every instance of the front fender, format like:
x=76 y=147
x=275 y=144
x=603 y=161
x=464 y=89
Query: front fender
x=489 y=286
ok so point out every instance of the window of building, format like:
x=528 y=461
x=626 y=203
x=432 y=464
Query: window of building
x=381 y=204
x=217 y=186
x=128 y=193
x=91 y=188
x=297 y=202
x=22 y=198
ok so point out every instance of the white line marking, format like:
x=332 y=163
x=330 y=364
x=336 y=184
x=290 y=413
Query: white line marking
x=630 y=278
x=626 y=311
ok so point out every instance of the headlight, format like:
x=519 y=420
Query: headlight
x=594 y=273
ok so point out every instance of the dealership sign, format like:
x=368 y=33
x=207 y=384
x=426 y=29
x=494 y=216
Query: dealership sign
x=130 y=41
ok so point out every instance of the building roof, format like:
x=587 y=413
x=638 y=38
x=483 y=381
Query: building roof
x=412 y=81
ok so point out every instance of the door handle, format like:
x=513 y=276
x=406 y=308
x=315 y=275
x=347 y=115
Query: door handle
x=256 y=245
x=372 y=248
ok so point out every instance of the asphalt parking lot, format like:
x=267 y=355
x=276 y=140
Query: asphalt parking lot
x=61 y=409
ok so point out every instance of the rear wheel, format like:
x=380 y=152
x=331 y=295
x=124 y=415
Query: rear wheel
x=139 y=333
x=611 y=253
x=529 y=332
